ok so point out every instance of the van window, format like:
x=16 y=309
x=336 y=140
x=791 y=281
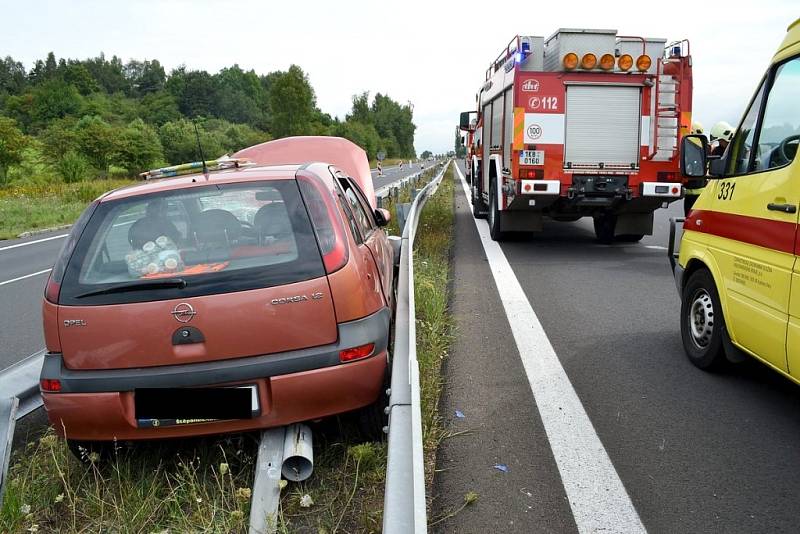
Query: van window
x=780 y=128
x=742 y=144
x=218 y=239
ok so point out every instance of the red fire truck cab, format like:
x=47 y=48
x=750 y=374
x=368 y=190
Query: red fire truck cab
x=586 y=123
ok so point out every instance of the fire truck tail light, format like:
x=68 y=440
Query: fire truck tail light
x=531 y=174
x=570 y=61
x=625 y=62
x=589 y=61
x=643 y=62
x=607 y=62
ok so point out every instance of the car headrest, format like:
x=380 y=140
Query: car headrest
x=273 y=219
x=149 y=229
x=217 y=226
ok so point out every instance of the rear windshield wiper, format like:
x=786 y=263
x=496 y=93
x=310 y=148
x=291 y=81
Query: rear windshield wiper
x=142 y=285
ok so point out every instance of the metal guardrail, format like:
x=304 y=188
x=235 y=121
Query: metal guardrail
x=404 y=504
x=19 y=396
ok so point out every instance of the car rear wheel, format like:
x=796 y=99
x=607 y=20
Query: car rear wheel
x=92 y=452
x=702 y=322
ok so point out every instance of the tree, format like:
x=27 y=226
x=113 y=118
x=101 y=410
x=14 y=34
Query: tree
x=77 y=75
x=180 y=144
x=292 y=103
x=364 y=135
x=138 y=148
x=12 y=143
x=426 y=154
x=158 y=108
x=53 y=99
x=194 y=91
x=97 y=141
x=12 y=76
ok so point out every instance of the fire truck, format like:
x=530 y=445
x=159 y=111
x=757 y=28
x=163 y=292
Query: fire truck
x=585 y=123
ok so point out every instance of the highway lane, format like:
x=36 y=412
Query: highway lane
x=22 y=262
x=696 y=452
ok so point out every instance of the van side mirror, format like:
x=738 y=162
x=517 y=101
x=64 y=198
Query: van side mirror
x=465 y=119
x=382 y=217
x=693 y=156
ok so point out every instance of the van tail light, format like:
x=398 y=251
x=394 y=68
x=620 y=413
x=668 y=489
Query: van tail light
x=50 y=385
x=356 y=353
x=326 y=220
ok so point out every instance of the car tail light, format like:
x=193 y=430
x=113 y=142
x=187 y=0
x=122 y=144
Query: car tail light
x=326 y=219
x=51 y=385
x=356 y=353
x=666 y=176
x=53 y=287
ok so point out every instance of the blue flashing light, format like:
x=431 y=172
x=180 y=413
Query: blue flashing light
x=518 y=57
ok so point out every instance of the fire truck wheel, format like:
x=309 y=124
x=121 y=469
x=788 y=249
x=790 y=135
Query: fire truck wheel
x=630 y=238
x=702 y=322
x=604 y=226
x=494 y=216
x=478 y=207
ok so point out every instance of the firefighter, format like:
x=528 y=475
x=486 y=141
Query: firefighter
x=694 y=186
x=721 y=135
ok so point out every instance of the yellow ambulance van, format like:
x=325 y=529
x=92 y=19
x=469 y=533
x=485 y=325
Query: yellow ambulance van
x=737 y=269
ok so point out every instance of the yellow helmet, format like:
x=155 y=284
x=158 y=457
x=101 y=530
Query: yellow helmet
x=722 y=130
x=697 y=129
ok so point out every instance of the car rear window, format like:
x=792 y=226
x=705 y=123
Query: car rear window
x=218 y=239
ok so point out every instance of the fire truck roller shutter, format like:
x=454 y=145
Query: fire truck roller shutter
x=602 y=125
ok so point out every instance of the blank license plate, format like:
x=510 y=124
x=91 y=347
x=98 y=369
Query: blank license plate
x=531 y=157
x=157 y=407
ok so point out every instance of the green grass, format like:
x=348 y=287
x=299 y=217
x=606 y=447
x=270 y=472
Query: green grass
x=434 y=334
x=34 y=207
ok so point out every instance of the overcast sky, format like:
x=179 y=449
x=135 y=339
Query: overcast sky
x=431 y=53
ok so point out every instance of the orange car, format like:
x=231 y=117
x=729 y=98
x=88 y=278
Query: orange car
x=254 y=297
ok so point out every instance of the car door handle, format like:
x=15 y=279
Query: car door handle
x=785 y=208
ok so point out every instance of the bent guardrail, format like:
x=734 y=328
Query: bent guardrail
x=404 y=508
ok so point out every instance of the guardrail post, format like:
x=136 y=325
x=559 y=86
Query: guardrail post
x=8 y=419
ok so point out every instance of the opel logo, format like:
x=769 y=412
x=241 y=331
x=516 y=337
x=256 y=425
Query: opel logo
x=183 y=312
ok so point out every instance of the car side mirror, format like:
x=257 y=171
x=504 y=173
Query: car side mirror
x=382 y=217
x=693 y=156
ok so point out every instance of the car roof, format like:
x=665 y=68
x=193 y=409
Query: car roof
x=337 y=151
x=244 y=174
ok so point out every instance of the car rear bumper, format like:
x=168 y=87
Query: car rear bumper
x=292 y=387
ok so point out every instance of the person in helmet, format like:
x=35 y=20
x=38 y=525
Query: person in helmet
x=694 y=186
x=721 y=135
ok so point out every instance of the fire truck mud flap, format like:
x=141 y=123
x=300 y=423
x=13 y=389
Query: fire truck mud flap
x=634 y=223
x=527 y=220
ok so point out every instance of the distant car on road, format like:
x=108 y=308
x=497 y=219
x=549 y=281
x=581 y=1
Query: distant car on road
x=253 y=297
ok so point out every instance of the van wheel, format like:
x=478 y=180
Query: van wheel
x=478 y=207
x=702 y=322
x=494 y=216
x=604 y=226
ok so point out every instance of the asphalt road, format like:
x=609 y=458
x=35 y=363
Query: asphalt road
x=695 y=452
x=24 y=266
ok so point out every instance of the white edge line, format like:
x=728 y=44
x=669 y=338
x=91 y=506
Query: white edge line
x=24 y=277
x=596 y=495
x=9 y=247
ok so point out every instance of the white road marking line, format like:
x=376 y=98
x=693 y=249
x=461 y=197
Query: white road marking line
x=24 y=277
x=9 y=247
x=655 y=247
x=596 y=494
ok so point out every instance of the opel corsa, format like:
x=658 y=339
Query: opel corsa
x=249 y=297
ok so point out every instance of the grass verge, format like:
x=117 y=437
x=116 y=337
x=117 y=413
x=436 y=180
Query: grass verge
x=432 y=255
x=34 y=207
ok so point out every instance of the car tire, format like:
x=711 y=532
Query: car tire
x=702 y=322
x=495 y=231
x=89 y=452
x=478 y=207
x=604 y=226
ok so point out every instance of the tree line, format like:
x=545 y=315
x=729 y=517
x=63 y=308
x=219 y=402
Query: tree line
x=74 y=119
